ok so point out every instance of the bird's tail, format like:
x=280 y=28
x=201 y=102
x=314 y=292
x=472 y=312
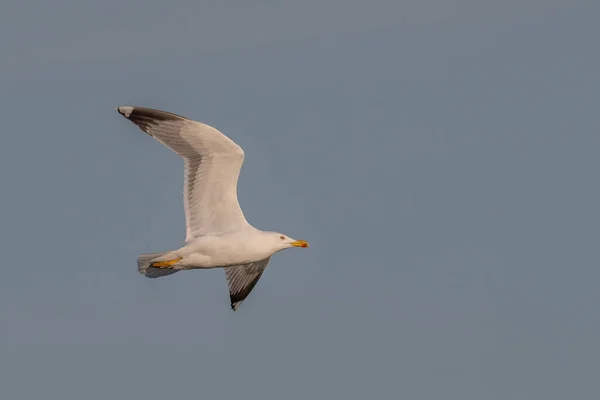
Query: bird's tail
x=154 y=265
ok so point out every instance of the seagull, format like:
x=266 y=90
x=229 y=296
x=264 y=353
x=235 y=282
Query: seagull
x=217 y=233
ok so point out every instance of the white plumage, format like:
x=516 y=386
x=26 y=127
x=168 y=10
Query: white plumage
x=217 y=233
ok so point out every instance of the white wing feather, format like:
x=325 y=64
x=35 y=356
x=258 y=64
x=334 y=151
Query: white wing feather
x=212 y=164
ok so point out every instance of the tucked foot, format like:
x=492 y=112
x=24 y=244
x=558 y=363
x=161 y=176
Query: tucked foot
x=165 y=264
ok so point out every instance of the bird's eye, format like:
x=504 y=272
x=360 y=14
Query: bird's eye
x=282 y=237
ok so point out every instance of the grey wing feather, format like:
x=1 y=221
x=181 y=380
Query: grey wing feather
x=212 y=167
x=241 y=279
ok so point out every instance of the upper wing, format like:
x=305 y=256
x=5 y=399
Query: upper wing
x=242 y=279
x=212 y=164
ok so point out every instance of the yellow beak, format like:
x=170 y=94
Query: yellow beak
x=300 y=243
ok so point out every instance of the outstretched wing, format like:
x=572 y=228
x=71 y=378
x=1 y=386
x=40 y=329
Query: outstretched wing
x=242 y=279
x=212 y=164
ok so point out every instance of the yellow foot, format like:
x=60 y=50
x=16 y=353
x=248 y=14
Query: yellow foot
x=165 y=264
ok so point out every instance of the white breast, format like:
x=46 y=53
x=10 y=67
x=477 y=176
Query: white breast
x=224 y=250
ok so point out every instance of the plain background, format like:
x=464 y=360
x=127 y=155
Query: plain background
x=441 y=157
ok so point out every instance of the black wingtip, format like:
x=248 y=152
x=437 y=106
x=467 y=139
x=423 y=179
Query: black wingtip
x=125 y=110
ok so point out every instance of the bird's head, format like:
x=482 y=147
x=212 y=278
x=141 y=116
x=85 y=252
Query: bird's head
x=281 y=241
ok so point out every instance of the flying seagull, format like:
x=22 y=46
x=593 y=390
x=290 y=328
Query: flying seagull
x=217 y=233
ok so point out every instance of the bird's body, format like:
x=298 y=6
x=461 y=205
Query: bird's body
x=217 y=233
x=215 y=251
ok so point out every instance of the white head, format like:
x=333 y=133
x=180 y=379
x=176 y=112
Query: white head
x=281 y=241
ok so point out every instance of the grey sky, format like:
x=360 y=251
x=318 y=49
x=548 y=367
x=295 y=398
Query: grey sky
x=441 y=157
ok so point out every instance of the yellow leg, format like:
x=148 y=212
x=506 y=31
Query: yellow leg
x=165 y=264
